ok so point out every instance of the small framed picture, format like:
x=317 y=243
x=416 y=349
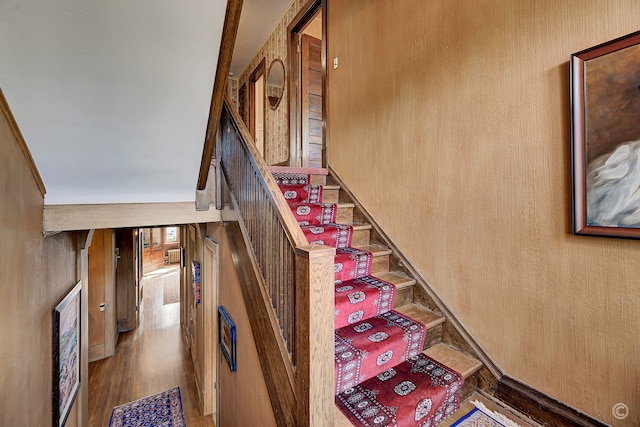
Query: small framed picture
x=66 y=354
x=227 y=337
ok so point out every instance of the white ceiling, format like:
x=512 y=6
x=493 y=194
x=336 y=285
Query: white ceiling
x=113 y=97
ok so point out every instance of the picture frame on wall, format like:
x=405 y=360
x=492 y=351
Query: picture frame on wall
x=66 y=354
x=227 y=337
x=605 y=138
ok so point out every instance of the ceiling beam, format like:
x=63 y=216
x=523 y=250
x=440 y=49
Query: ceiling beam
x=227 y=43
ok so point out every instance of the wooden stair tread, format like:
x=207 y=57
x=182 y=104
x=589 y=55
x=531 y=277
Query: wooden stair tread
x=331 y=187
x=376 y=250
x=360 y=226
x=398 y=279
x=449 y=356
x=427 y=317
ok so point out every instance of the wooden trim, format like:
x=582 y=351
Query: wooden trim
x=276 y=374
x=96 y=352
x=469 y=342
x=210 y=330
x=229 y=32
x=13 y=125
x=295 y=110
x=121 y=215
x=259 y=71
x=540 y=407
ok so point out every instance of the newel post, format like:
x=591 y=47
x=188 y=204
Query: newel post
x=315 y=381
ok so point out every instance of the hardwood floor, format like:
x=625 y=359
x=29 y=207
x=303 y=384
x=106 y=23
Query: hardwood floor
x=148 y=360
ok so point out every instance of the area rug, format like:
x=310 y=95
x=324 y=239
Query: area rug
x=477 y=418
x=171 y=291
x=418 y=392
x=163 y=409
x=360 y=298
x=334 y=235
x=313 y=213
x=480 y=416
x=351 y=263
x=364 y=349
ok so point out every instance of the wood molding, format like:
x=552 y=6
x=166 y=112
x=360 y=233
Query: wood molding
x=120 y=215
x=540 y=407
x=13 y=125
x=229 y=32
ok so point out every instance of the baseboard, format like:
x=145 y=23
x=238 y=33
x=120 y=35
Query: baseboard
x=96 y=352
x=540 y=407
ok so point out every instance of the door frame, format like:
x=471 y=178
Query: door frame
x=259 y=71
x=307 y=12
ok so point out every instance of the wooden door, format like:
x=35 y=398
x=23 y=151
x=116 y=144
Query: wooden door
x=101 y=294
x=313 y=151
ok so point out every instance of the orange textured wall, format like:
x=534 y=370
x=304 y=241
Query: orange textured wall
x=451 y=124
x=36 y=274
x=244 y=399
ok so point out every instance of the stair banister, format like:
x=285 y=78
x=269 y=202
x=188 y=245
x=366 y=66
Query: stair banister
x=295 y=280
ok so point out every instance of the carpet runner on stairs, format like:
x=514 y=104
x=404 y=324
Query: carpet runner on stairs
x=382 y=376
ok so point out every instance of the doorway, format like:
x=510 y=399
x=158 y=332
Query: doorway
x=257 y=106
x=307 y=102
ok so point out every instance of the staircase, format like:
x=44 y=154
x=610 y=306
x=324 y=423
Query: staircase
x=410 y=299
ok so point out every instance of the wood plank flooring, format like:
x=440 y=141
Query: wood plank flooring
x=148 y=360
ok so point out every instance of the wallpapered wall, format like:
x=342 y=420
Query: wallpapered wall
x=276 y=121
x=468 y=169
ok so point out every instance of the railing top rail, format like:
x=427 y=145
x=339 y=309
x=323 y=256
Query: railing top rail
x=290 y=225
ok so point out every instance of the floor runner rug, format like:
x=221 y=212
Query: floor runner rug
x=351 y=263
x=418 y=392
x=302 y=193
x=313 y=213
x=361 y=298
x=334 y=235
x=364 y=349
x=163 y=409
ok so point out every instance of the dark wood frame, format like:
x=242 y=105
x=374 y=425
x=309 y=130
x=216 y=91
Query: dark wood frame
x=295 y=103
x=284 y=81
x=260 y=70
x=579 y=141
x=61 y=347
x=227 y=342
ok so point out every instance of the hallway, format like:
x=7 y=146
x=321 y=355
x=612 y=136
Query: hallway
x=148 y=360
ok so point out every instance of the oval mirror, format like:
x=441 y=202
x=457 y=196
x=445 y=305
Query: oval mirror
x=275 y=83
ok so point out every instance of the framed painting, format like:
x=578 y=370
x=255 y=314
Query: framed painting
x=227 y=337
x=66 y=354
x=605 y=138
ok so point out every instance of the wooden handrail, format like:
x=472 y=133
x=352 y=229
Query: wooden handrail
x=291 y=286
x=227 y=43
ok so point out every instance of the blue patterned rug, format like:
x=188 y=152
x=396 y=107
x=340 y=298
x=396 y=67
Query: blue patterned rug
x=477 y=418
x=163 y=409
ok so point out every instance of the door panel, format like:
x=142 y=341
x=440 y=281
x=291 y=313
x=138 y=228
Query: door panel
x=311 y=93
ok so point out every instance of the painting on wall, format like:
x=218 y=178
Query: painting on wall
x=605 y=133
x=227 y=337
x=66 y=355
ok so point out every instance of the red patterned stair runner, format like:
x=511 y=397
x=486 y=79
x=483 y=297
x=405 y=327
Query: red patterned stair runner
x=382 y=376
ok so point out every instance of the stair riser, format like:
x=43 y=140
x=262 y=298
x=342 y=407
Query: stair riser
x=344 y=215
x=469 y=387
x=318 y=179
x=360 y=238
x=433 y=336
x=330 y=195
x=380 y=264
x=404 y=296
